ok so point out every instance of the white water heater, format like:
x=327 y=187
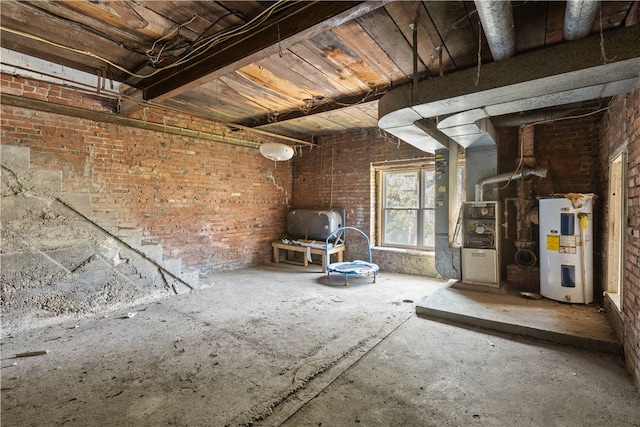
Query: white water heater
x=566 y=248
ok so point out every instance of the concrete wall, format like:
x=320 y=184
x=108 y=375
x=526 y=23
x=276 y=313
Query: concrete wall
x=621 y=125
x=340 y=174
x=211 y=204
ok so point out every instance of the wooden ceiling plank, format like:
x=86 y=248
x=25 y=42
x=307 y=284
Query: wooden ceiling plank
x=220 y=101
x=67 y=22
x=451 y=20
x=348 y=67
x=382 y=28
x=356 y=39
x=315 y=124
x=529 y=19
x=303 y=72
x=613 y=14
x=294 y=24
x=474 y=20
x=404 y=14
x=359 y=115
x=340 y=81
x=283 y=84
x=254 y=95
x=158 y=26
x=207 y=13
x=60 y=31
x=555 y=22
x=334 y=105
x=427 y=30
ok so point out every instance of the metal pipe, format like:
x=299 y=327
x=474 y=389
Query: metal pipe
x=579 y=17
x=509 y=176
x=496 y=17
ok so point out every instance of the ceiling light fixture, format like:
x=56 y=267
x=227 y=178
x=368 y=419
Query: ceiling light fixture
x=276 y=151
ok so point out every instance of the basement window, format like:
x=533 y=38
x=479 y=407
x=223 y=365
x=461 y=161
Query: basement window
x=407 y=214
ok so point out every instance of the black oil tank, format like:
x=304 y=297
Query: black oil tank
x=312 y=224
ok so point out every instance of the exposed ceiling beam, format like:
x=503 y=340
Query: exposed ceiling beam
x=299 y=21
x=312 y=110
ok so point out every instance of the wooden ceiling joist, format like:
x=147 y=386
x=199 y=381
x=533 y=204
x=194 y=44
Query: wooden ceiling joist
x=298 y=21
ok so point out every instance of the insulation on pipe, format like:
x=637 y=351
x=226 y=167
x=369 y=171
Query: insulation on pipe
x=579 y=17
x=509 y=176
x=496 y=17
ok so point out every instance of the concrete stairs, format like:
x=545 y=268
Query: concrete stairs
x=53 y=240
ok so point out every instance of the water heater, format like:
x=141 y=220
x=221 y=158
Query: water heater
x=566 y=248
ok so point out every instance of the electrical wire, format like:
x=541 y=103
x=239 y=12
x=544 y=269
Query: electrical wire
x=150 y=51
x=243 y=29
x=231 y=12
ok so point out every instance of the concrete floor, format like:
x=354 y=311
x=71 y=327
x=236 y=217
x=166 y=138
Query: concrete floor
x=281 y=345
x=579 y=325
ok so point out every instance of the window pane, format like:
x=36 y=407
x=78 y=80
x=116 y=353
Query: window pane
x=429 y=233
x=401 y=189
x=429 y=185
x=401 y=227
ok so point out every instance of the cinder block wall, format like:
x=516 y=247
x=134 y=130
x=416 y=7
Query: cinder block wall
x=339 y=173
x=214 y=205
x=621 y=125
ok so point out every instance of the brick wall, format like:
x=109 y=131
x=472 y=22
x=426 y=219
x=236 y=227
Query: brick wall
x=214 y=205
x=339 y=173
x=621 y=125
x=568 y=148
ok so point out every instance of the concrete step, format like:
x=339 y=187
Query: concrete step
x=15 y=158
x=132 y=236
x=153 y=251
x=46 y=182
x=106 y=219
x=138 y=269
x=174 y=265
x=582 y=326
x=80 y=202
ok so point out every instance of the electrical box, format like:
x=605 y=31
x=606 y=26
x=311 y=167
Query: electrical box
x=480 y=241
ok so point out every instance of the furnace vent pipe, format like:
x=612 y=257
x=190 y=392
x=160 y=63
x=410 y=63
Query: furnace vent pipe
x=509 y=176
x=579 y=17
x=496 y=17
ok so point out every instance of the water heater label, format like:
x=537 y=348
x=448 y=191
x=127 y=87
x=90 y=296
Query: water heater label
x=553 y=242
x=567 y=244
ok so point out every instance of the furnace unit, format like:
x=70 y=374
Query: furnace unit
x=480 y=260
x=566 y=248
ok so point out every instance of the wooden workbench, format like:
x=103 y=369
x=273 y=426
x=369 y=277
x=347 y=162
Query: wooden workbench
x=305 y=249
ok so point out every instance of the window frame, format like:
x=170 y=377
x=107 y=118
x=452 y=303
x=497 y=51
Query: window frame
x=616 y=221
x=422 y=171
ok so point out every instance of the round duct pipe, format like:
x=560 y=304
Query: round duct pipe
x=526 y=258
x=579 y=17
x=504 y=177
x=496 y=17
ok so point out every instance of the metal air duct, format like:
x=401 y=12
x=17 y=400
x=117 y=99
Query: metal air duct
x=579 y=17
x=509 y=176
x=496 y=17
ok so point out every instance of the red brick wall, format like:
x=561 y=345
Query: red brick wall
x=339 y=173
x=569 y=151
x=212 y=204
x=568 y=148
x=621 y=125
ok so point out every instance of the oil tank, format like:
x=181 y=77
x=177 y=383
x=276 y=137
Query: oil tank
x=313 y=224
